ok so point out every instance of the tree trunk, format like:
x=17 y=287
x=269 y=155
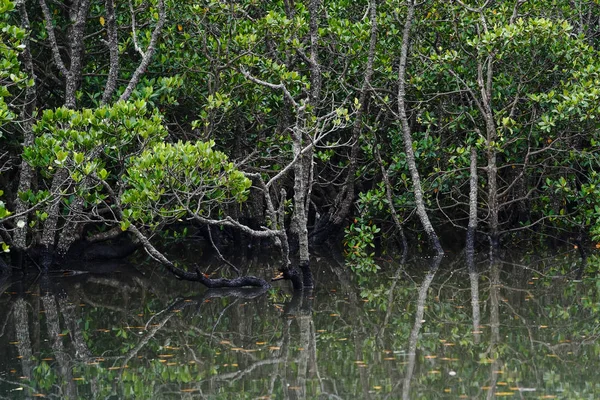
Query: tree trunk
x=491 y=136
x=407 y=136
x=335 y=217
x=27 y=173
x=113 y=51
x=78 y=14
x=470 y=247
x=51 y=222
x=388 y=196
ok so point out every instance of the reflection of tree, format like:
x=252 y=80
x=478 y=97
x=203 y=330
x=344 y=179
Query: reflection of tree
x=494 y=327
x=474 y=280
x=55 y=336
x=227 y=341
x=21 y=321
x=414 y=333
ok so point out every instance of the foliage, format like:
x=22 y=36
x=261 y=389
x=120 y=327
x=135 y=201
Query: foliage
x=169 y=181
x=11 y=76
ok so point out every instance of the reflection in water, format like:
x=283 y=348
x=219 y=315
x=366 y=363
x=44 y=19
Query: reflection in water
x=474 y=280
x=414 y=333
x=127 y=335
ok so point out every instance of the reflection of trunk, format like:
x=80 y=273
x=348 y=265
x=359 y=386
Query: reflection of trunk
x=71 y=321
x=474 y=279
x=300 y=308
x=494 y=326
x=414 y=333
x=54 y=331
x=407 y=136
x=390 y=302
x=21 y=317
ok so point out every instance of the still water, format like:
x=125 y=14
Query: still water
x=522 y=328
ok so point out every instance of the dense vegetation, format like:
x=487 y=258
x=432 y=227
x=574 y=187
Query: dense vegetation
x=359 y=122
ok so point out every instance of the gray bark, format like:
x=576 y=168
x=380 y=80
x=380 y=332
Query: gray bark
x=78 y=15
x=21 y=321
x=26 y=173
x=470 y=247
x=79 y=12
x=147 y=55
x=113 y=52
x=51 y=223
x=484 y=83
x=302 y=168
x=407 y=136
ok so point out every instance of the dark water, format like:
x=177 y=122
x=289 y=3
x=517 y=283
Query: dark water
x=516 y=329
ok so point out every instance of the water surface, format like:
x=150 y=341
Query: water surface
x=522 y=329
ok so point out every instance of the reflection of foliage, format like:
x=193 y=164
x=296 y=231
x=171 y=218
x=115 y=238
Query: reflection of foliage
x=225 y=347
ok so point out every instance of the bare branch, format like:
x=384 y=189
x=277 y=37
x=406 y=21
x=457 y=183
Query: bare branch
x=279 y=86
x=53 y=43
x=147 y=55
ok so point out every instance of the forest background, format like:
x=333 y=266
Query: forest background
x=376 y=125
